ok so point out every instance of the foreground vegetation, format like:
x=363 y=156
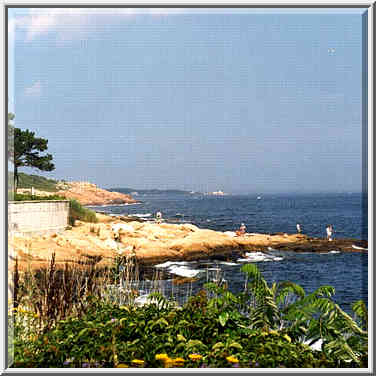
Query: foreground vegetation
x=79 y=212
x=68 y=321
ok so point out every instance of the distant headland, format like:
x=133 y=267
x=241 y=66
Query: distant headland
x=136 y=192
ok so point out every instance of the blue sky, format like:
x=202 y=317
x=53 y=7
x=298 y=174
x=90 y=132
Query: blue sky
x=240 y=100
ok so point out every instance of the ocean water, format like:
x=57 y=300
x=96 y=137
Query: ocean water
x=346 y=272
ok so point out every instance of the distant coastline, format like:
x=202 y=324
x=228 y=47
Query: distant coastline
x=136 y=192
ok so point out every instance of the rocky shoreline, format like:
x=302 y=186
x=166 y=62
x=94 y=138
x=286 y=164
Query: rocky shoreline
x=152 y=243
x=90 y=194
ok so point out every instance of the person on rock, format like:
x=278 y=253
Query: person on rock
x=242 y=230
x=158 y=217
x=329 y=232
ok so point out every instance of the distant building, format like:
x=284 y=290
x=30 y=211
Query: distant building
x=218 y=193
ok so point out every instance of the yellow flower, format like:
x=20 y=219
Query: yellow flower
x=168 y=363
x=264 y=334
x=138 y=362
x=178 y=361
x=162 y=357
x=287 y=337
x=195 y=356
x=121 y=365
x=275 y=332
x=232 y=359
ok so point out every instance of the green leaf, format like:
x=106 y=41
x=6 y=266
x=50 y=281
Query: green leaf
x=236 y=345
x=218 y=345
x=194 y=342
x=181 y=338
x=223 y=318
x=180 y=345
x=124 y=319
x=82 y=332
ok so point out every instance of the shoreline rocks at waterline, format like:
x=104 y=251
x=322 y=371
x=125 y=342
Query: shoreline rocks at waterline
x=153 y=243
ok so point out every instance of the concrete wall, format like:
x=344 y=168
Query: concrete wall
x=37 y=217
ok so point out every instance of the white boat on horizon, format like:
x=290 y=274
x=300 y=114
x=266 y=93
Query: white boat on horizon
x=217 y=193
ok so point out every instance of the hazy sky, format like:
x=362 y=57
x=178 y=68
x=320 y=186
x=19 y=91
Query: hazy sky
x=238 y=100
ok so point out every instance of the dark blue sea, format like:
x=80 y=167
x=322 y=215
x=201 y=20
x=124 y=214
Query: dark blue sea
x=346 y=272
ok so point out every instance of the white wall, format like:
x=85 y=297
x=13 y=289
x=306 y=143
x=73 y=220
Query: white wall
x=37 y=217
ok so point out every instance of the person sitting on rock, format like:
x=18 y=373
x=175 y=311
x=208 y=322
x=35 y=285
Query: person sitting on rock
x=242 y=230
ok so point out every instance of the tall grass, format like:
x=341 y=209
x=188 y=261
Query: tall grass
x=52 y=294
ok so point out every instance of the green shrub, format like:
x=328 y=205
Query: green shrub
x=29 y=197
x=247 y=330
x=79 y=212
x=36 y=181
x=109 y=335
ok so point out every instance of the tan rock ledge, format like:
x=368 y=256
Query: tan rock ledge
x=154 y=243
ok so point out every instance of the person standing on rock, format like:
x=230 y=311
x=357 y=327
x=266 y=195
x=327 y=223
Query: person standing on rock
x=158 y=217
x=298 y=228
x=329 y=232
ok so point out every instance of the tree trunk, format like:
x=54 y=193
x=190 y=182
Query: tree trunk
x=15 y=179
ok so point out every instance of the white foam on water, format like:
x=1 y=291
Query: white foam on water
x=327 y=253
x=183 y=271
x=356 y=247
x=258 y=257
x=168 y=264
x=140 y=215
x=228 y=263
